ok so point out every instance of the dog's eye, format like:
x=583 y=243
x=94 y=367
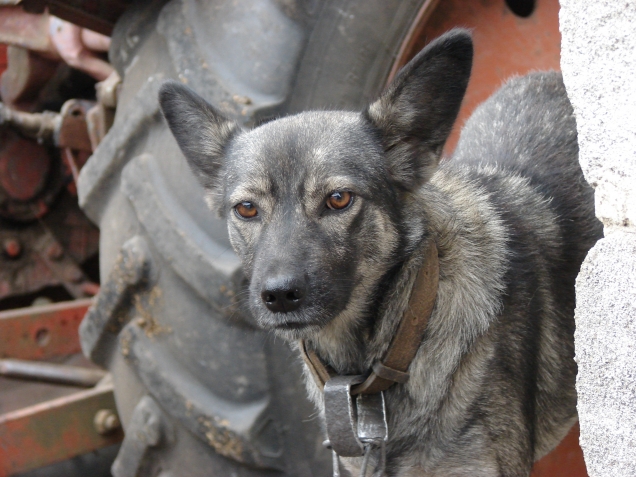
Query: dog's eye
x=246 y=210
x=339 y=200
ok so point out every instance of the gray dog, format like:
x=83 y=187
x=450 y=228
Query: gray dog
x=331 y=213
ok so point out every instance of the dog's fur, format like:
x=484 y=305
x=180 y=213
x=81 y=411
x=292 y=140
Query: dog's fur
x=492 y=386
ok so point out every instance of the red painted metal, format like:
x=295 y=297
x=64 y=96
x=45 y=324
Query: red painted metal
x=3 y=58
x=63 y=427
x=24 y=166
x=55 y=39
x=23 y=29
x=96 y=15
x=32 y=177
x=50 y=253
x=54 y=430
x=505 y=44
x=26 y=74
x=42 y=332
x=73 y=130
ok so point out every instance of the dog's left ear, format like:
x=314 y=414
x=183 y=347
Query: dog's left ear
x=201 y=132
x=416 y=112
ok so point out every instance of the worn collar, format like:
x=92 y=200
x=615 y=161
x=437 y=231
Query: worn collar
x=393 y=368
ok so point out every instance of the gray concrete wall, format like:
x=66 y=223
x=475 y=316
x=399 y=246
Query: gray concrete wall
x=598 y=59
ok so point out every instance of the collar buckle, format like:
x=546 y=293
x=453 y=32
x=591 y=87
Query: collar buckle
x=356 y=426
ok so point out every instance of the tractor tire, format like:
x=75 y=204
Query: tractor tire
x=200 y=390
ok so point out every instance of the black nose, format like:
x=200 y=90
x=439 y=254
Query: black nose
x=282 y=295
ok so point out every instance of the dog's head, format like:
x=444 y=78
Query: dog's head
x=320 y=205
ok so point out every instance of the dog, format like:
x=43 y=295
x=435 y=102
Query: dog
x=329 y=212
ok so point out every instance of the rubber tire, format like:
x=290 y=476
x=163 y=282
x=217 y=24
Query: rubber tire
x=253 y=61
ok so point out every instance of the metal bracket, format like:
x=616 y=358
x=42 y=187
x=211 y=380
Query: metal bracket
x=341 y=416
x=372 y=426
x=354 y=428
x=373 y=430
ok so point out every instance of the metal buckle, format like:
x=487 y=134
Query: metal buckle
x=372 y=429
x=341 y=416
x=355 y=428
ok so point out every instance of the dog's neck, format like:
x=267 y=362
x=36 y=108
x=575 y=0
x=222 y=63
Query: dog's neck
x=360 y=335
x=353 y=349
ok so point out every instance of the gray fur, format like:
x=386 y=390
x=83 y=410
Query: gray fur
x=492 y=386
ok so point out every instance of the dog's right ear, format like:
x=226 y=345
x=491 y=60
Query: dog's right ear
x=201 y=132
x=415 y=114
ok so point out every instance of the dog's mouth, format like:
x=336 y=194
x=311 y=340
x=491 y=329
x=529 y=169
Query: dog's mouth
x=293 y=325
x=294 y=330
x=278 y=324
x=290 y=327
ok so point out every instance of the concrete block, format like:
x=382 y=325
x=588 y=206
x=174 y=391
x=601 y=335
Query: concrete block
x=605 y=340
x=598 y=60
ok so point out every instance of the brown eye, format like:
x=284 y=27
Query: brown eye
x=246 y=210
x=339 y=200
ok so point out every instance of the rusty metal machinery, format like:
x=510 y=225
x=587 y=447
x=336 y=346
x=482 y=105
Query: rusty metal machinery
x=46 y=246
x=62 y=409
x=45 y=240
x=44 y=236
x=99 y=16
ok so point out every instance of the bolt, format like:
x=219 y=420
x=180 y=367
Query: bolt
x=55 y=251
x=76 y=275
x=106 y=421
x=42 y=301
x=12 y=248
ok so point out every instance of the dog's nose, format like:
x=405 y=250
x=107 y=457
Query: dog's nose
x=282 y=295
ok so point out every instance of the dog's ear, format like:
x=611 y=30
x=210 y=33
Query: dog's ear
x=201 y=132
x=416 y=112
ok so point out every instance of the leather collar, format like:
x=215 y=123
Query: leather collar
x=393 y=368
